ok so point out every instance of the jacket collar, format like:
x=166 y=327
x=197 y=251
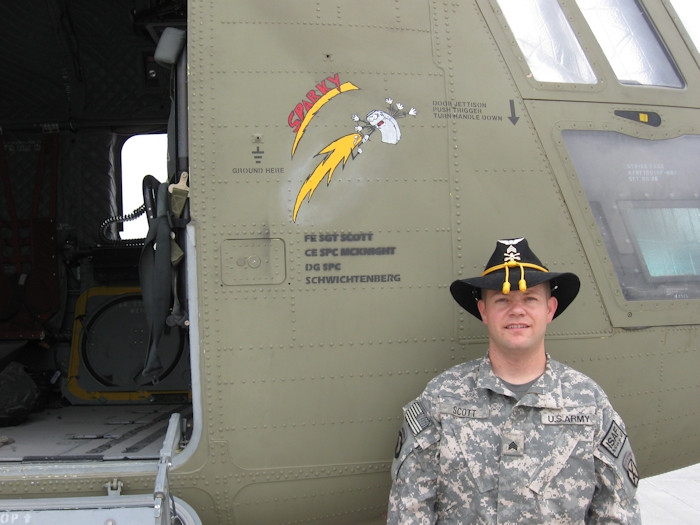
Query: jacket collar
x=544 y=393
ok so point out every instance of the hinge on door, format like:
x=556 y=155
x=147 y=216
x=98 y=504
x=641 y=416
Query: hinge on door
x=161 y=494
x=114 y=487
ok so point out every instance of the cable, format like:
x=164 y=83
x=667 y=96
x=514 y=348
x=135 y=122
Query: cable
x=122 y=218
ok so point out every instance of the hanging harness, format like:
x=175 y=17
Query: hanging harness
x=158 y=269
x=161 y=253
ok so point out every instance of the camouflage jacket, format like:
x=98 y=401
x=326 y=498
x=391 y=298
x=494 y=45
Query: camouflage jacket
x=469 y=452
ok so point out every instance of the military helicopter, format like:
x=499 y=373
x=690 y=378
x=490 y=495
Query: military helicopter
x=331 y=169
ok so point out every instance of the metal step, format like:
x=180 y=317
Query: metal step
x=158 y=508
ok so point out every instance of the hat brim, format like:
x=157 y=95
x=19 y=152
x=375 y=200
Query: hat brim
x=467 y=292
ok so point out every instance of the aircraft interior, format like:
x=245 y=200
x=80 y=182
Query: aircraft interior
x=94 y=345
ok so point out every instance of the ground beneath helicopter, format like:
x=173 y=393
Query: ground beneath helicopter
x=671 y=498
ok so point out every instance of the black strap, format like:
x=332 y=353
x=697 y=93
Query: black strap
x=155 y=274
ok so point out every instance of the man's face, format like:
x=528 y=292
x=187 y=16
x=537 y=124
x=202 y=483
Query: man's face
x=517 y=321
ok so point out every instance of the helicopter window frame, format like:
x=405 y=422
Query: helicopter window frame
x=636 y=52
x=685 y=11
x=681 y=12
x=649 y=260
x=618 y=171
x=141 y=155
x=552 y=60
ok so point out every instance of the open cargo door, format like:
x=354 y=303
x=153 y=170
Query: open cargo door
x=159 y=508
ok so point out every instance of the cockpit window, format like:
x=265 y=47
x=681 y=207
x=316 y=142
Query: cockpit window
x=668 y=237
x=689 y=13
x=630 y=42
x=645 y=196
x=547 y=41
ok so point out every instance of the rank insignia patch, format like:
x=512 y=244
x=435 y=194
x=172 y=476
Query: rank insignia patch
x=513 y=443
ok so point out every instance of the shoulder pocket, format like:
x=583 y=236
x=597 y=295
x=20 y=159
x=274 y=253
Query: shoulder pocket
x=615 y=451
x=420 y=425
x=417 y=432
x=408 y=444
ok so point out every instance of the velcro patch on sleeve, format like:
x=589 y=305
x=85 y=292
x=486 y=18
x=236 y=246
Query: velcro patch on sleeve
x=420 y=426
x=405 y=446
x=630 y=466
x=615 y=450
x=416 y=418
x=614 y=439
x=400 y=442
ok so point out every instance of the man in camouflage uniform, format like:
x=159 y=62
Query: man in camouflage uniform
x=513 y=437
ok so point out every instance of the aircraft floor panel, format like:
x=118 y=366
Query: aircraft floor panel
x=90 y=433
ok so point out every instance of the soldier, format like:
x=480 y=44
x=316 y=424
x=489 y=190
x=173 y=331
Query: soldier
x=513 y=437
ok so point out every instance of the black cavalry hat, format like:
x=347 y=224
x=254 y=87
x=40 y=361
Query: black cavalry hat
x=513 y=264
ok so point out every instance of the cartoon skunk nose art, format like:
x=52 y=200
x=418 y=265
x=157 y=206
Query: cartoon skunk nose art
x=338 y=152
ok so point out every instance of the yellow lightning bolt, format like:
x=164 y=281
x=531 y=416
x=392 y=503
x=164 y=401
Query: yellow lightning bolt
x=347 y=86
x=336 y=152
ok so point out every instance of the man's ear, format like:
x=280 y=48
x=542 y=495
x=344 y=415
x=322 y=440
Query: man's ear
x=482 y=310
x=552 y=304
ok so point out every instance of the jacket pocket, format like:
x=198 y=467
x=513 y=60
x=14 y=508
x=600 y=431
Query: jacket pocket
x=470 y=441
x=569 y=459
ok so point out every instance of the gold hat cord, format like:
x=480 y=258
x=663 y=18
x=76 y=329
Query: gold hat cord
x=522 y=285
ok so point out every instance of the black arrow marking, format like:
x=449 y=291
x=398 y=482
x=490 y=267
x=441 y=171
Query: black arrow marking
x=512 y=117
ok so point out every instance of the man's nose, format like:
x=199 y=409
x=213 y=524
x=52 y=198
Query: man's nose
x=517 y=305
